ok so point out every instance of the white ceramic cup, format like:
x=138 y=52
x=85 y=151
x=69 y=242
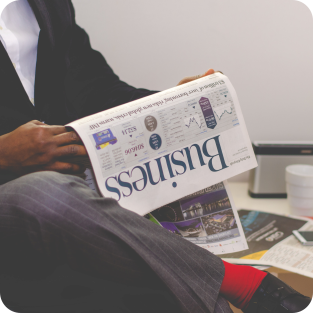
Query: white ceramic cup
x=299 y=185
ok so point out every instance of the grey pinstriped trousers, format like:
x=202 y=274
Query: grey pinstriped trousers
x=48 y=219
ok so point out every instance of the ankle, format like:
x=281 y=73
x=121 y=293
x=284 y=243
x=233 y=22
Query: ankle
x=240 y=283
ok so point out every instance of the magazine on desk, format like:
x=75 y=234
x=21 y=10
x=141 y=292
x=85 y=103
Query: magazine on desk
x=272 y=243
x=158 y=150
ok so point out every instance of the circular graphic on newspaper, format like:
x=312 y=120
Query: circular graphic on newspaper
x=155 y=141
x=151 y=123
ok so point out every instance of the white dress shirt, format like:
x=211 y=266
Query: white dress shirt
x=19 y=32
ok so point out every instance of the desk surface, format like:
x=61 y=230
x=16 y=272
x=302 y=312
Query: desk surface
x=239 y=191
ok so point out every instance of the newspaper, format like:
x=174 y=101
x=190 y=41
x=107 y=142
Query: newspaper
x=158 y=149
x=271 y=242
x=207 y=218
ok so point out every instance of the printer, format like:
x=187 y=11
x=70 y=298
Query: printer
x=268 y=179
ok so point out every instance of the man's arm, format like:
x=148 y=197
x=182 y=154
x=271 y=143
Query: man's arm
x=36 y=146
x=90 y=84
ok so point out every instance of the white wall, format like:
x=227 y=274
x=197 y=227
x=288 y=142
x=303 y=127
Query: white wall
x=264 y=46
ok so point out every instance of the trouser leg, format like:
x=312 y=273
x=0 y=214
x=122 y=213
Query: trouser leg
x=48 y=218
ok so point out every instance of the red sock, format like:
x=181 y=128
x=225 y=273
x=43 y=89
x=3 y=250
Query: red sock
x=240 y=283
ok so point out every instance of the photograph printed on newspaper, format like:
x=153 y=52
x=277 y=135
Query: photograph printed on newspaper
x=272 y=243
x=207 y=218
x=158 y=149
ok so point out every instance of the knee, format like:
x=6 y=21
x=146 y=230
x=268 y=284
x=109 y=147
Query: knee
x=46 y=180
x=37 y=177
x=43 y=187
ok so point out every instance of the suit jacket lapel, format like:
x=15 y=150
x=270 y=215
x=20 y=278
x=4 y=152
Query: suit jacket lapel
x=42 y=13
x=45 y=57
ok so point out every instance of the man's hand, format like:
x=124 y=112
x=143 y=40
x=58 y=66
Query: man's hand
x=35 y=147
x=191 y=78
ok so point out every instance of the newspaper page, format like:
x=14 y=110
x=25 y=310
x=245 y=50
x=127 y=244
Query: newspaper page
x=207 y=218
x=157 y=149
x=271 y=242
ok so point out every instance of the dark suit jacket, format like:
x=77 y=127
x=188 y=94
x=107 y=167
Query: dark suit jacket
x=72 y=79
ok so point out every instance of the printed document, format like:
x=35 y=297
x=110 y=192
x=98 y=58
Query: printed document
x=157 y=149
x=272 y=243
x=170 y=154
x=207 y=218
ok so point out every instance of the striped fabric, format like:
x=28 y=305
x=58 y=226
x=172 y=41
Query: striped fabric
x=48 y=219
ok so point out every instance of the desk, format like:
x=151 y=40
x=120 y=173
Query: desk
x=242 y=200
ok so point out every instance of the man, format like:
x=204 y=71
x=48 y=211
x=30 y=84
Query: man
x=48 y=218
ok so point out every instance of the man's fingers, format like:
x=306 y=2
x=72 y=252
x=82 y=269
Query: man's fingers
x=192 y=78
x=208 y=72
x=37 y=122
x=56 y=129
x=66 y=168
x=67 y=138
x=188 y=79
x=70 y=151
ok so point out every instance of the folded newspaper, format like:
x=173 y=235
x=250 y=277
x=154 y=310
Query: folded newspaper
x=272 y=243
x=170 y=151
x=207 y=218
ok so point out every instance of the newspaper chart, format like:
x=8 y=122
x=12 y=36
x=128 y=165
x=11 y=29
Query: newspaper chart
x=158 y=149
x=271 y=242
